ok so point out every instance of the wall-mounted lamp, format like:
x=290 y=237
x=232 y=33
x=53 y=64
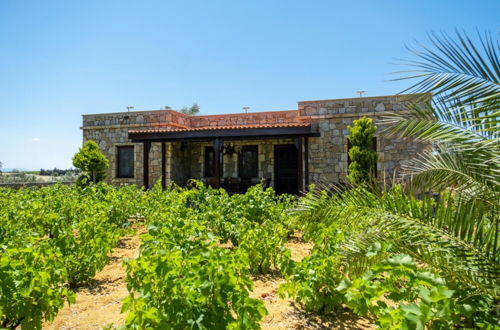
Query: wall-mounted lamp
x=229 y=149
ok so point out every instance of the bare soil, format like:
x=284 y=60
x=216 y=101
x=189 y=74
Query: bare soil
x=99 y=303
x=285 y=314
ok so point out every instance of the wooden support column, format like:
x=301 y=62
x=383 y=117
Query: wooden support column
x=306 y=162
x=145 y=163
x=217 y=146
x=300 y=165
x=163 y=165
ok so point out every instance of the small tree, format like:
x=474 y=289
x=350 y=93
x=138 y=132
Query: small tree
x=192 y=110
x=363 y=157
x=91 y=162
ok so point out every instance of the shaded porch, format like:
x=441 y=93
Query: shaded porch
x=233 y=158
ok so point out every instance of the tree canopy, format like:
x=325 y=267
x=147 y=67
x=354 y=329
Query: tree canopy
x=91 y=162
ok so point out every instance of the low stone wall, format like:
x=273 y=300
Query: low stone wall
x=33 y=184
x=255 y=118
x=137 y=119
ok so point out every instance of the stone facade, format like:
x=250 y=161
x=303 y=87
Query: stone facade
x=327 y=156
x=328 y=153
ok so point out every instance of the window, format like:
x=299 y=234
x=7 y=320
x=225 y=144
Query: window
x=125 y=162
x=249 y=162
x=210 y=163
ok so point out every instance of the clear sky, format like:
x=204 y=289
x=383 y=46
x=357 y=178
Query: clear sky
x=62 y=59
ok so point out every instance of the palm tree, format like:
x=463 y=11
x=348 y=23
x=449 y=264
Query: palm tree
x=456 y=234
x=452 y=235
x=463 y=119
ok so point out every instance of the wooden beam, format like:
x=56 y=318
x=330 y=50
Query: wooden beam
x=300 y=165
x=226 y=134
x=163 y=165
x=306 y=162
x=145 y=163
x=217 y=146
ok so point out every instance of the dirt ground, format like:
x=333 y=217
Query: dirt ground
x=285 y=314
x=98 y=304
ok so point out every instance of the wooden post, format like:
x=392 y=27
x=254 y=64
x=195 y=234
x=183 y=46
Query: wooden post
x=300 y=165
x=306 y=162
x=163 y=166
x=147 y=147
x=217 y=146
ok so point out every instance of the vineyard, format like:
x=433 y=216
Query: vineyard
x=202 y=247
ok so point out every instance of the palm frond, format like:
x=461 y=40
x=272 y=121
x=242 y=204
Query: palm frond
x=445 y=122
x=462 y=120
x=455 y=68
x=473 y=173
x=457 y=237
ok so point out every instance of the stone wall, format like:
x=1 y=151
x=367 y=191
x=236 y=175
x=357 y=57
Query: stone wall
x=138 y=119
x=33 y=184
x=255 y=118
x=110 y=130
x=327 y=153
x=108 y=138
x=180 y=172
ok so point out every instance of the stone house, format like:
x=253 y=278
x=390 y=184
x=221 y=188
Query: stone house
x=284 y=149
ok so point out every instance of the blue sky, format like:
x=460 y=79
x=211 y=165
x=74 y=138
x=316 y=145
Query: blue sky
x=61 y=59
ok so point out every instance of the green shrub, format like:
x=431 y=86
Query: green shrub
x=52 y=238
x=363 y=158
x=402 y=295
x=91 y=162
x=31 y=278
x=312 y=282
x=182 y=279
x=264 y=247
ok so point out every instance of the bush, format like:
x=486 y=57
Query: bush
x=182 y=279
x=403 y=295
x=363 y=158
x=264 y=245
x=92 y=163
x=54 y=238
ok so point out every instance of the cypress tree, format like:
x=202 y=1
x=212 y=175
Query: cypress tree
x=363 y=158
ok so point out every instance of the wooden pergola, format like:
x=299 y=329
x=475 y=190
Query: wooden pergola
x=217 y=135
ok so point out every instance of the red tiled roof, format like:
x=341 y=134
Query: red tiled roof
x=216 y=128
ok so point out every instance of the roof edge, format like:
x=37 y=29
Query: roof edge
x=369 y=97
x=221 y=128
x=182 y=114
x=132 y=112
x=249 y=113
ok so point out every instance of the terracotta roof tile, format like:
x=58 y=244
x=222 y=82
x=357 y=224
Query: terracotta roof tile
x=216 y=128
